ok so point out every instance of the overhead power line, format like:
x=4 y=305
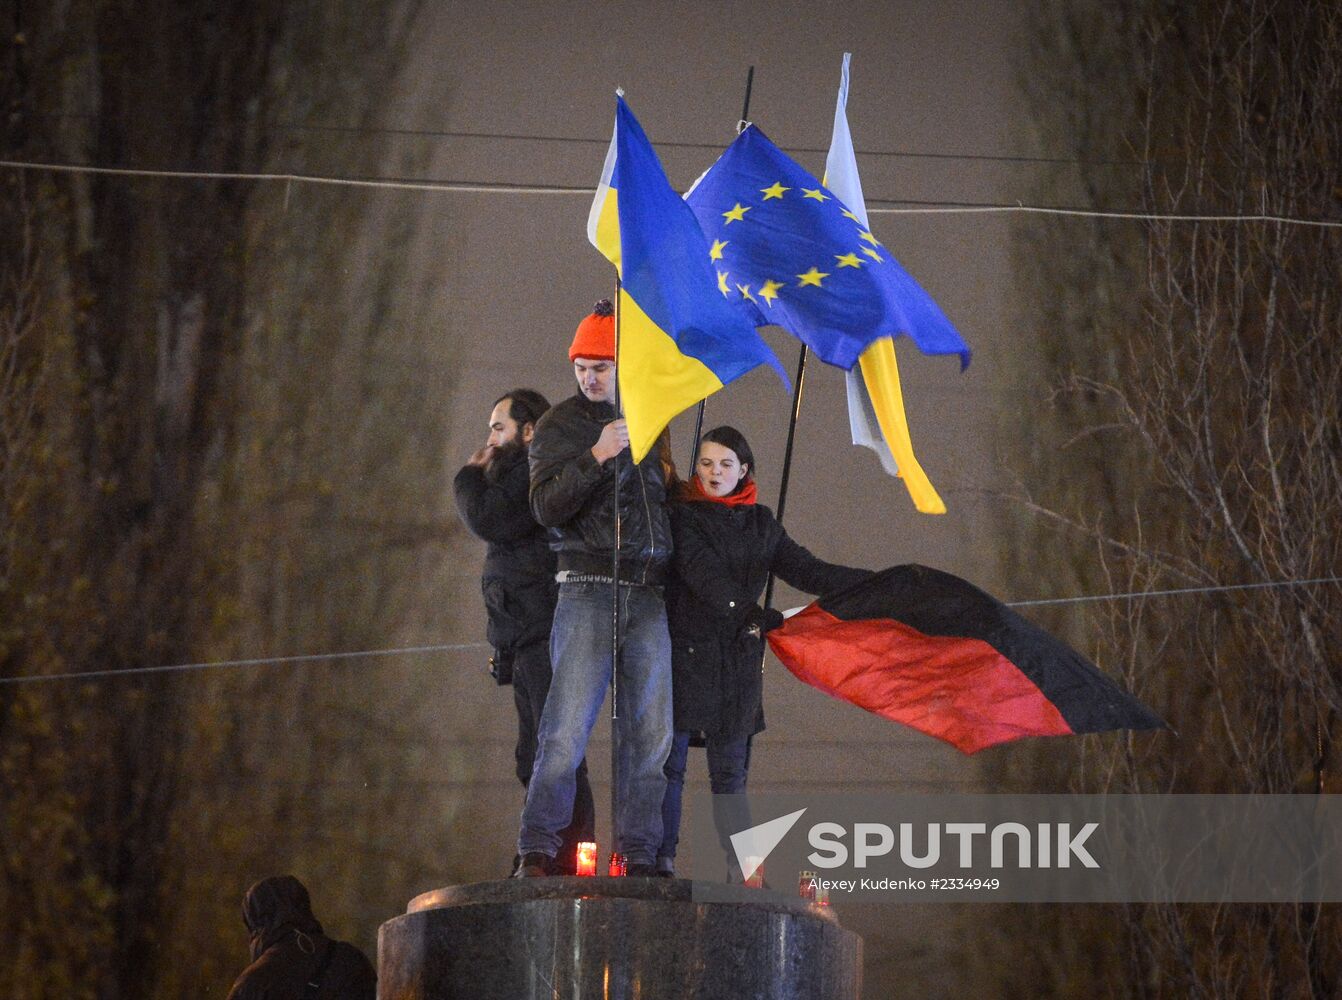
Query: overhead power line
x=253 y=662
x=463 y=646
x=400 y=184
x=905 y=206
x=1137 y=595
x=425 y=133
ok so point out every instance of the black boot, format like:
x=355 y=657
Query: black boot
x=535 y=865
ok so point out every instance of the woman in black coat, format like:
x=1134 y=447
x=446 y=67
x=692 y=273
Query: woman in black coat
x=726 y=545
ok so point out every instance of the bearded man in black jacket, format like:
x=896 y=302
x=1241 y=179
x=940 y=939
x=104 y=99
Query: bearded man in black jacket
x=519 y=587
x=580 y=464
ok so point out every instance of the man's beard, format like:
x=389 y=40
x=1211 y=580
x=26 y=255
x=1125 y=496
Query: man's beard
x=503 y=457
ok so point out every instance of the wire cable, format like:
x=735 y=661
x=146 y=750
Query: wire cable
x=464 y=646
x=255 y=662
x=931 y=208
x=369 y=130
x=399 y=184
x=1139 y=594
x=488 y=187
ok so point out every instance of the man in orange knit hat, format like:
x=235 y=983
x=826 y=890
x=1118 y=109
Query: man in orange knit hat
x=579 y=460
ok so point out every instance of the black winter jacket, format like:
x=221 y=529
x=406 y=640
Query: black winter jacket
x=289 y=949
x=284 y=969
x=571 y=493
x=723 y=558
x=518 y=580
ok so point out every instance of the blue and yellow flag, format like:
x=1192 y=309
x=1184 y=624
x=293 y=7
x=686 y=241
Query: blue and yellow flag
x=798 y=257
x=680 y=339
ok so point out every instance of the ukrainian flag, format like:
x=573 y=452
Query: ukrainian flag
x=680 y=339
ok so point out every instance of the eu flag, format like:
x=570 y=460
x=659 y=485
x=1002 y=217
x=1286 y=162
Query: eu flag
x=797 y=257
x=679 y=339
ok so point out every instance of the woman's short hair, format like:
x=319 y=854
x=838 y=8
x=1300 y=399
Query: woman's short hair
x=730 y=437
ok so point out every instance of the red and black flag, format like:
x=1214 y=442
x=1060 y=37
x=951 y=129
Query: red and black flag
x=934 y=652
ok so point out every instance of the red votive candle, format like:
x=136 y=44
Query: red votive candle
x=586 y=858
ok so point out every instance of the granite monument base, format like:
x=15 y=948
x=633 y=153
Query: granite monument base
x=614 y=938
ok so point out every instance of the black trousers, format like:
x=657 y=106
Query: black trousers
x=531 y=685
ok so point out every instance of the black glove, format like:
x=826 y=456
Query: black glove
x=761 y=620
x=501 y=666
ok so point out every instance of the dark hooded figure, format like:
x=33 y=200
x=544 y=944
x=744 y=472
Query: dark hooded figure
x=291 y=958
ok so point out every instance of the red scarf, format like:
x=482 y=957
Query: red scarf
x=694 y=490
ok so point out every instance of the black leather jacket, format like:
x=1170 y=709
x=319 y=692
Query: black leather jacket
x=518 y=581
x=571 y=495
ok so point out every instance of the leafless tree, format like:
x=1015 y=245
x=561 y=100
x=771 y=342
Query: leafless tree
x=208 y=452
x=1195 y=373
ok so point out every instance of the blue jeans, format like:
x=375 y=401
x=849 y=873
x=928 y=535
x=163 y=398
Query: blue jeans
x=580 y=654
x=531 y=686
x=728 y=768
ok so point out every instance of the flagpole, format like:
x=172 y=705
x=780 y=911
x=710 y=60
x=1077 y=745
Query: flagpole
x=615 y=609
x=745 y=108
x=787 y=456
x=699 y=416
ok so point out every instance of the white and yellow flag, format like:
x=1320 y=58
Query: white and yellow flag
x=875 y=398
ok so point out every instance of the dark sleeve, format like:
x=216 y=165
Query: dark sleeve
x=564 y=473
x=362 y=981
x=797 y=567
x=705 y=573
x=348 y=975
x=498 y=511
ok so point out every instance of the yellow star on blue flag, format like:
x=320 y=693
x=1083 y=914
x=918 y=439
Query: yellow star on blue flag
x=841 y=302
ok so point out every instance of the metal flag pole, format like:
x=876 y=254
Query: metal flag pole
x=699 y=416
x=615 y=608
x=787 y=459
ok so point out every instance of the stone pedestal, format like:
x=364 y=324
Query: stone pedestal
x=614 y=938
